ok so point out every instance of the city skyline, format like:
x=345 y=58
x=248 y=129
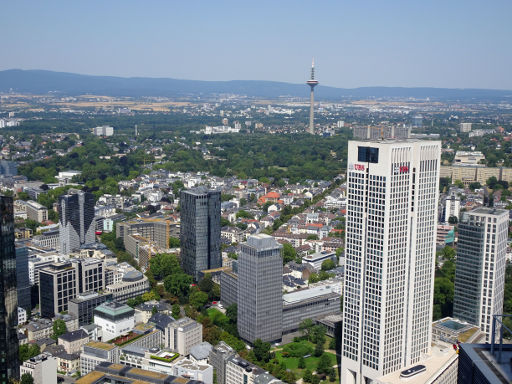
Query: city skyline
x=455 y=45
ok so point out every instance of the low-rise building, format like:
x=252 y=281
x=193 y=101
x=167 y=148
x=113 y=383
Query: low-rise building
x=36 y=211
x=316 y=259
x=42 y=368
x=133 y=283
x=182 y=334
x=73 y=341
x=194 y=371
x=228 y=287
x=308 y=304
x=114 y=318
x=83 y=305
x=94 y=353
x=218 y=358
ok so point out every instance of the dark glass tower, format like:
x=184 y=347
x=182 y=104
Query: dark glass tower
x=76 y=219
x=22 y=278
x=9 y=366
x=200 y=230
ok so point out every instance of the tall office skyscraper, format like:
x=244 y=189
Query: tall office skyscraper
x=390 y=256
x=200 y=230
x=480 y=267
x=76 y=219
x=260 y=282
x=9 y=366
x=22 y=278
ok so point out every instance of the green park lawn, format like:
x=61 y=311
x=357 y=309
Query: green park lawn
x=293 y=362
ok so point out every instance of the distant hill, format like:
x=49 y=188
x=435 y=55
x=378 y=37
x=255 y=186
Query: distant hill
x=40 y=82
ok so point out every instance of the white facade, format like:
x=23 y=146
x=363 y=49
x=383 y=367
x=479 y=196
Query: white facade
x=43 y=368
x=103 y=130
x=390 y=256
x=194 y=371
x=22 y=316
x=452 y=207
x=114 y=328
x=465 y=127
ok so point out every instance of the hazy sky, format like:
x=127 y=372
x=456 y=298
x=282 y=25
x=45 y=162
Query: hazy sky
x=448 y=43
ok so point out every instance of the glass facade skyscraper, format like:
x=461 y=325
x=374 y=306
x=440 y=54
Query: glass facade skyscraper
x=22 y=278
x=9 y=366
x=200 y=230
x=76 y=219
x=260 y=289
x=480 y=266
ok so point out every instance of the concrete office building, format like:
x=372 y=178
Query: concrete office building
x=36 y=211
x=61 y=282
x=260 y=299
x=465 y=127
x=480 y=266
x=114 y=319
x=219 y=355
x=57 y=285
x=9 y=367
x=42 y=368
x=132 y=284
x=390 y=254
x=155 y=230
x=452 y=207
x=74 y=340
x=95 y=353
x=182 y=334
x=104 y=130
x=228 y=287
x=83 y=305
x=76 y=219
x=22 y=278
x=308 y=304
x=200 y=230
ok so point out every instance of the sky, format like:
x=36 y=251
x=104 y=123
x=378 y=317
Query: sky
x=414 y=43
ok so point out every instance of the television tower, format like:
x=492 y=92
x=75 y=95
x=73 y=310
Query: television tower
x=312 y=83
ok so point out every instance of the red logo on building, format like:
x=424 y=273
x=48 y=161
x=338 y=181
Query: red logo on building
x=404 y=169
x=359 y=167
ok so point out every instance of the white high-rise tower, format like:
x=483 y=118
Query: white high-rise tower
x=390 y=256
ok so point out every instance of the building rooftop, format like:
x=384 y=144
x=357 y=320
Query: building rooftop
x=309 y=293
x=113 y=309
x=262 y=242
x=74 y=335
x=201 y=351
x=100 y=345
x=494 y=370
x=442 y=356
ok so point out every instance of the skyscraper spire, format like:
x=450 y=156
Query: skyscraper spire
x=312 y=83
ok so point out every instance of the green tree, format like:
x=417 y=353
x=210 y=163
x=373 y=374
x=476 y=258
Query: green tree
x=328 y=265
x=302 y=362
x=174 y=242
x=308 y=376
x=232 y=313
x=59 y=328
x=198 y=299
x=27 y=378
x=206 y=283
x=475 y=185
x=312 y=237
x=154 y=310
x=458 y=184
x=261 y=350
x=452 y=220
x=178 y=284
x=26 y=351
x=289 y=253
x=319 y=349
x=332 y=343
x=324 y=364
x=164 y=265
x=176 y=311
x=305 y=327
